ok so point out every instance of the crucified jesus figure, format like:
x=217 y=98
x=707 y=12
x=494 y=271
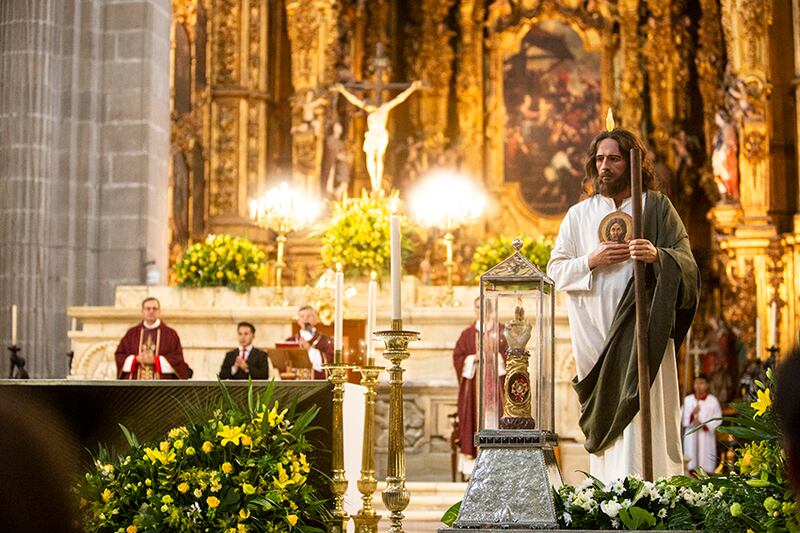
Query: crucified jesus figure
x=376 y=138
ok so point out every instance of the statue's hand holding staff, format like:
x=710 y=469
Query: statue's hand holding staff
x=643 y=250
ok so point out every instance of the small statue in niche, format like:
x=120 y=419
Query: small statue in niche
x=338 y=163
x=725 y=158
x=685 y=146
x=310 y=111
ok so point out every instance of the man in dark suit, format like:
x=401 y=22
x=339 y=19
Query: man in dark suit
x=246 y=361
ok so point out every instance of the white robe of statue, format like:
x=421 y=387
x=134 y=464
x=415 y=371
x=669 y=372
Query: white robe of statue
x=592 y=298
x=700 y=448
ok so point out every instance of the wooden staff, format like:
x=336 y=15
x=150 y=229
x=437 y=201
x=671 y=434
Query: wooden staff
x=643 y=361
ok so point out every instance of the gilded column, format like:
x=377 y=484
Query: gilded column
x=632 y=79
x=469 y=87
x=431 y=60
x=710 y=67
x=748 y=247
x=658 y=51
x=313 y=36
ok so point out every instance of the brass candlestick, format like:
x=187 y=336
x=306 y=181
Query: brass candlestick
x=366 y=521
x=279 y=265
x=449 y=263
x=396 y=496
x=337 y=375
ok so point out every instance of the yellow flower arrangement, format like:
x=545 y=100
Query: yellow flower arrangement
x=488 y=255
x=222 y=260
x=357 y=236
x=268 y=485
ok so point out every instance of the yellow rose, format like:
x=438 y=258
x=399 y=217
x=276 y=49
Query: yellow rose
x=212 y=502
x=227 y=468
x=183 y=488
x=197 y=493
x=247 y=488
x=106 y=496
x=220 y=274
x=246 y=440
x=178 y=444
x=131 y=529
x=207 y=447
x=292 y=518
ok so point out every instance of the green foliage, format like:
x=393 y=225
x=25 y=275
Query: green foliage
x=358 y=235
x=222 y=261
x=449 y=517
x=240 y=469
x=489 y=254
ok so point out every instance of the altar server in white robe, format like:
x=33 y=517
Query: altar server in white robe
x=702 y=410
x=592 y=261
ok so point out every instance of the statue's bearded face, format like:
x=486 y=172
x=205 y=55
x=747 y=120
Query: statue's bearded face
x=613 y=174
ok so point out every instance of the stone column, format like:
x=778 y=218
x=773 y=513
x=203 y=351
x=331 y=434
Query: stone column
x=30 y=110
x=84 y=141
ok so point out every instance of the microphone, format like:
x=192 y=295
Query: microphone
x=308 y=327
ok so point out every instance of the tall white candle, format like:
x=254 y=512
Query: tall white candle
x=337 y=317
x=758 y=338
x=14 y=325
x=397 y=271
x=372 y=292
x=773 y=334
x=74 y=325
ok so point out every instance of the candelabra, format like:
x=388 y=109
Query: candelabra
x=366 y=521
x=337 y=375
x=447 y=201
x=17 y=363
x=395 y=496
x=283 y=210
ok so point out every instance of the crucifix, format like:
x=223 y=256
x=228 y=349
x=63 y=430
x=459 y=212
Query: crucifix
x=376 y=138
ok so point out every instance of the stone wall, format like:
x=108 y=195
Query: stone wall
x=84 y=122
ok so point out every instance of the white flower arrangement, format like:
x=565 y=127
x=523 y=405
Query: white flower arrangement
x=630 y=503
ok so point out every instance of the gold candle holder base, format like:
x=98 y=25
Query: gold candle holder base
x=337 y=376
x=366 y=521
x=396 y=496
x=366 y=524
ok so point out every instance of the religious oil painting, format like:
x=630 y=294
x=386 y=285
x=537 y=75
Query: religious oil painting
x=552 y=100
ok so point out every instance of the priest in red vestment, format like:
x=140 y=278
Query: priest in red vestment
x=319 y=346
x=465 y=362
x=151 y=349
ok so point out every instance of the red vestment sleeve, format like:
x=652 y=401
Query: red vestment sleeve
x=170 y=348
x=128 y=345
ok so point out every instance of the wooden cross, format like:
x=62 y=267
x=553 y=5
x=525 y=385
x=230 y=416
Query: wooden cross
x=380 y=64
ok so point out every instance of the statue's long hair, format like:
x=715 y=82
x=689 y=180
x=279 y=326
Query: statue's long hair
x=626 y=140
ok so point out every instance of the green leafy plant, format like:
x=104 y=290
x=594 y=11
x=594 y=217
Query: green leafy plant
x=222 y=261
x=240 y=469
x=488 y=255
x=756 y=496
x=357 y=236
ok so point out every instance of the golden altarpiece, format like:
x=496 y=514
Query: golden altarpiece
x=708 y=84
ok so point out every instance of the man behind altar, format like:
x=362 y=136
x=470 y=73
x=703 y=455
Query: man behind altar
x=151 y=349
x=319 y=345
